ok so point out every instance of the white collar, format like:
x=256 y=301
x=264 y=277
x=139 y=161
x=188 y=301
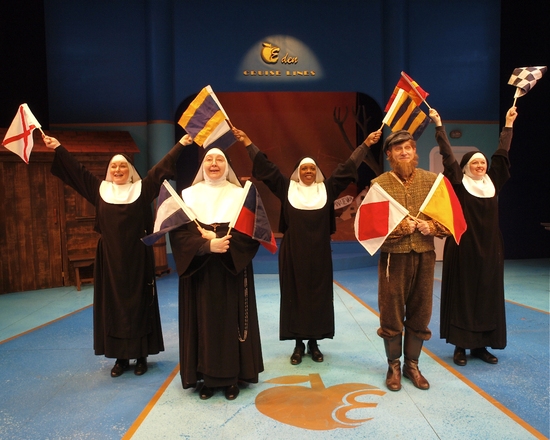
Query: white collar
x=211 y=204
x=482 y=188
x=307 y=197
x=120 y=194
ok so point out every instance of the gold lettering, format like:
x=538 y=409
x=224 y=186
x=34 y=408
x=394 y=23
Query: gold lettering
x=289 y=60
x=278 y=73
x=300 y=73
x=261 y=72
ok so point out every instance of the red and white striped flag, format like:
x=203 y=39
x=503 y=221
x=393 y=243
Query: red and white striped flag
x=377 y=217
x=18 y=138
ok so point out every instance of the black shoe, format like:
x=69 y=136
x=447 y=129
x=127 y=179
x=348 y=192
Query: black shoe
x=484 y=355
x=459 y=356
x=120 y=366
x=314 y=351
x=296 y=357
x=206 y=392
x=141 y=366
x=231 y=392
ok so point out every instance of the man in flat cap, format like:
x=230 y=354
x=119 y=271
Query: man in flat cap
x=406 y=264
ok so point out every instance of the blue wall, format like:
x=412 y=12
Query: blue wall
x=98 y=52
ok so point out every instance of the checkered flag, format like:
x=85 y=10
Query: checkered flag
x=525 y=78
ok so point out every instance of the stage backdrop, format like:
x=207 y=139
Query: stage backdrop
x=288 y=126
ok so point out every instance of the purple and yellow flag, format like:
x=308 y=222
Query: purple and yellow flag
x=206 y=121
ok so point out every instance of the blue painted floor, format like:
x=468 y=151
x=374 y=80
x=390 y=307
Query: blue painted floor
x=53 y=387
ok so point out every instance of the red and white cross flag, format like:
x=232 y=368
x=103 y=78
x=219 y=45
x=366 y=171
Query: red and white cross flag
x=18 y=138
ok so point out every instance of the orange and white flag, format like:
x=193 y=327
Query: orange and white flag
x=18 y=138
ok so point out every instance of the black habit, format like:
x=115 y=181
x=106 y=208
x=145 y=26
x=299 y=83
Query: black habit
x=126 y=311
x=305 y=254
x=472 y=290
x=218 y=319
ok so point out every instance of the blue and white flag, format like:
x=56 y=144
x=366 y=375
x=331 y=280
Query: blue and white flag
x=172 y=212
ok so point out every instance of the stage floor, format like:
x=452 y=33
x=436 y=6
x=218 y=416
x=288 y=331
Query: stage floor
x=54 y=387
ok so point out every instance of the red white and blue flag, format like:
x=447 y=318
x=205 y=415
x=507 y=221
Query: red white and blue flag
x=19 y=138
x=252 y=219
x=172 y=212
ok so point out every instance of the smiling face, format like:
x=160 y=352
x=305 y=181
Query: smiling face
x=308 y=173
x=119 y=171
x=214 y=166
x=478 y=167
x=403 y=152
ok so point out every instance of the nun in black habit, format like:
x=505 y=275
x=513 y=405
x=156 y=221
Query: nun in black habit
x=126 y=311
x=218 y=320
x=472 y=284
x=305 y=255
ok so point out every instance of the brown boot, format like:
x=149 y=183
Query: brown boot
x=393 y=377
x=413 y=348
x=393 y=352
x=411 y=372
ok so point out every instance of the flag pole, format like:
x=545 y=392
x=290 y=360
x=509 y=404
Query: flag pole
x=179 y=201
x=415 y=91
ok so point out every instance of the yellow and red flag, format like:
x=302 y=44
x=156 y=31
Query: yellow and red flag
x=442 y=205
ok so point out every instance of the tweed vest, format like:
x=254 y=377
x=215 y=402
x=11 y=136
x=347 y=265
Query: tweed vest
x=411 y=197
